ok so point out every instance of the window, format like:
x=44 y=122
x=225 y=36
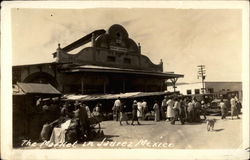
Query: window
x=210 y=90
x=189 y=91
x=127 y=60
x=111 y=59
x=196 y=91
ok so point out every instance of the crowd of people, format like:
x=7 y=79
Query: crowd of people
x=75 y=118
x=235 y=105
x=73 y=122
x=171 y=108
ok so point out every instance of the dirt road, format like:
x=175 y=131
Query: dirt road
x=227 y=134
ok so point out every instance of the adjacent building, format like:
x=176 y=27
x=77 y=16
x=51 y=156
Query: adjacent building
x=210 y=87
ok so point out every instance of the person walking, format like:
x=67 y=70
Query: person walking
x=123 y=116
x=190 y=111
x=185 y=105
x=163 y=108
x=233 y=108
x=97 y=110
x=223 y=109
x=238 y=106
x=84 y=121
x=64 y=110
x=183 y=110
x=116 y=107
x=170 y=111
x=87 y=110
x=176 y=109
x=203 y=109
x=197 y=110
x=134 y=113
x=139 y=112
x=156 y=108
x=144 y=109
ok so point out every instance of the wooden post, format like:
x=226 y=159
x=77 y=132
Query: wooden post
x=174 y=80
x=82 y=85
x=162 y=85
x=123 y=86
x=104 y=86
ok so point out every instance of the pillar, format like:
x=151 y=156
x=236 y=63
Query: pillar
x=174 y=80
x=93 y=40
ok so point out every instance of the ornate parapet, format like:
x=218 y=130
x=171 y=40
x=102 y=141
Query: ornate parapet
x=113 y=48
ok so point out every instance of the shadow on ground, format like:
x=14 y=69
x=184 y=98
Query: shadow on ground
x=218 y=130
x=144 y=124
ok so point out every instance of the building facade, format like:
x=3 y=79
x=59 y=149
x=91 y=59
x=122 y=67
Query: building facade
x=210 y=87
x=112 y=64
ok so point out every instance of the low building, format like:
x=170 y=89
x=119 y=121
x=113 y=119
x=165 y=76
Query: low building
x=210 y=87
x=112 y=64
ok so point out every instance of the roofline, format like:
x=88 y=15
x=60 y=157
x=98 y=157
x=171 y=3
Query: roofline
x=223 y=82
x=126 y=71
x=23 y=65
x=38 y=64
x=208 y=82
x=85 y=39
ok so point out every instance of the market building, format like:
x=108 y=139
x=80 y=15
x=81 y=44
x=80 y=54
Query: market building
x=112 y=64
x=111 y=67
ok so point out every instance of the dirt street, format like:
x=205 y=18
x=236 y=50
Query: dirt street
x=227 y=134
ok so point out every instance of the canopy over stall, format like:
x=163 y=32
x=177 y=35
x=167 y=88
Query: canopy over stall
x=35 y=88
x=96 y=97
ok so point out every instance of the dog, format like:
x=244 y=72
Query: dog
x=210 y=124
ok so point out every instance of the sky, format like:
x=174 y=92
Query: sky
x=182 y=38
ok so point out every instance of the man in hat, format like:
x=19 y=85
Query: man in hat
x=164 y=106
x=197 y=109
x=123 y=116
x=234 y=111
x=84 y=120
x=134 y=113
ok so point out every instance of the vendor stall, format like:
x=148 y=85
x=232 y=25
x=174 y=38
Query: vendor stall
x=27 y=116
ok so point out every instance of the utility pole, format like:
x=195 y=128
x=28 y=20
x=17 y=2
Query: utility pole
x=202 y=74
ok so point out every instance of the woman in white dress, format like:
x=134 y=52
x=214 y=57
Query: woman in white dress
x=139 y=111
x=170 y=110
x=157 y=111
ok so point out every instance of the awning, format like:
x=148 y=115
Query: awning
x=17 y=90
x=93 y=97
x=93 y=68
x=35 y=88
